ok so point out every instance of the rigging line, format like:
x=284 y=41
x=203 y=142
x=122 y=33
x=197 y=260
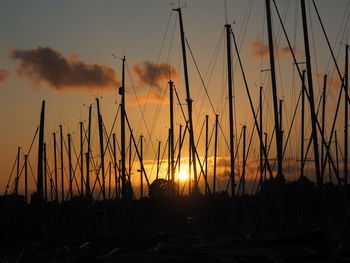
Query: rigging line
x=211 y=67
x=205 y=88
x=200 y=76
x=28 y=153
x=237 y=166
x=141 y=110
x=32 y=172
x=158 y=57
x=138 y=154
x=300 y=75
x=291 y=125
x=314 y=47
x=8 y=182
x=340 y=28
x=329 y=45
x=250 y=100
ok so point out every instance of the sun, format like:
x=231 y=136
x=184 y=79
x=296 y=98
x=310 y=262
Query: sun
x=183 y=176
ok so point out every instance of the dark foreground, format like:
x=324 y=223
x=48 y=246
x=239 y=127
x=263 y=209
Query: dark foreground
x=284 y=222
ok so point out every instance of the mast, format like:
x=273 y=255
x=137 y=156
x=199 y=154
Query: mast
x=40 y=152
x=323 y=122
x=62 y=168
x=70 y=167
x=45 y=172
x=122 y=128
x=158 y=160
x=55 y=165
x=81 y=159
x=302 y=125
x=17 y=174
x=109 y=179
x=26 y=178
x=311 y=94
x=244 y=158
x=141 y=164
x=215 y=150
x=100 y=131
x=171 y=142
x=115 y=166
x=274 y=90
x=189 y=101
x=206 y=148
x=179 y=164
x=261 y=132
x=346 y=115
x=87 y=192
x=229 y=78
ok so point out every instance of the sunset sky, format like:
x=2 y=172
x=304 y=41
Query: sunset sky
x=68 y=53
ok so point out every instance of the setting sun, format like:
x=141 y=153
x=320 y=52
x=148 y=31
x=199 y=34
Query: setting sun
x=183 y=176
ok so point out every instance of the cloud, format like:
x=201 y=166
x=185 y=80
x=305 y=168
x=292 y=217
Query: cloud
x=154 y=75
x=258 y=49
x=153 y=81
x=4 y=75
x=261 y=50
x=45 y=65
x=149 y=97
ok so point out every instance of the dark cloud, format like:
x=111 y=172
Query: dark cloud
x=154 y=75
x=49 y=66
x=4 y=75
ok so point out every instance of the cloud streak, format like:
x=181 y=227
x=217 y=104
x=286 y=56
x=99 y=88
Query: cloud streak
x=45 y=65
x=259 y=50
x=4 y=75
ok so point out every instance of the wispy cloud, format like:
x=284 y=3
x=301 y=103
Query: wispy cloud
x=45 y=65
x=259 y=50
x=4 y=75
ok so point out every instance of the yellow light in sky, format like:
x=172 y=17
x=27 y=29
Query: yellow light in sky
x=183 y=176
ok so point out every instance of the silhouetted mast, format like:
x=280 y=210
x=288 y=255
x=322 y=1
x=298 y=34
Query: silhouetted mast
x=62 y=168
x=189 y=101
x=261 y=133
x=17 y=174
x=45 y=171
x=81 y=159
x=346 y=115
x=323 y=122
x=274 y=90
x=229 y=79
x=302 y=124
x=244 y=158
x=115 y=166
x=55 y=165
x=40 y=152
x=171 y=142
x=311 y=94
x=70 y=167
x=215 y=150
x=102 y=154
x=206 y=148
x=88 y=156
x=158 y=160
x=26 y=178
x=141 y=163
x=122 y=128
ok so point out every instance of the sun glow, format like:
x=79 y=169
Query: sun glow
x=183 y=175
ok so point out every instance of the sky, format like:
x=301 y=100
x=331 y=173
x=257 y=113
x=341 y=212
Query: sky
x=68 y=53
